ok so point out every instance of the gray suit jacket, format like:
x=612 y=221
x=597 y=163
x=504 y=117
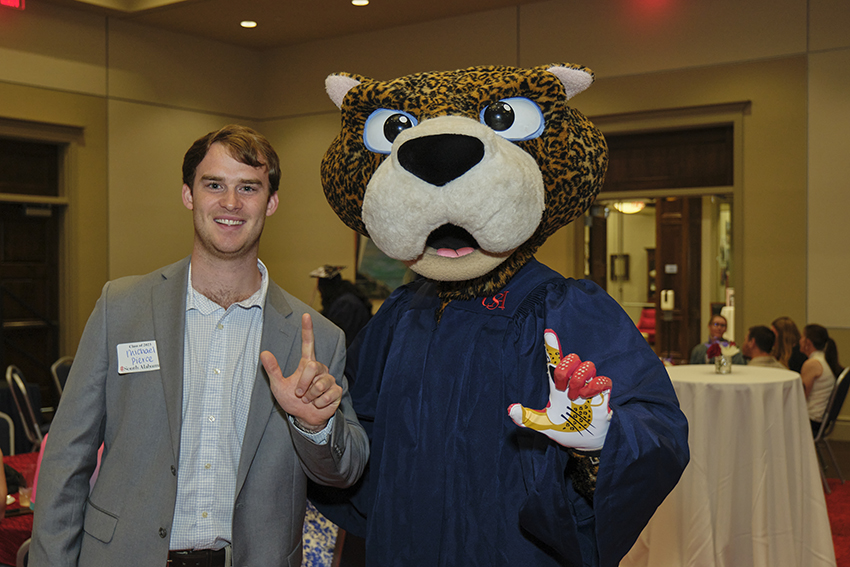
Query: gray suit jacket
x=126 y=520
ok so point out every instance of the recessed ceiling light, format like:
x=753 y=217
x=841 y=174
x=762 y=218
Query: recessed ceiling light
x=360 y=2
x=248 y=24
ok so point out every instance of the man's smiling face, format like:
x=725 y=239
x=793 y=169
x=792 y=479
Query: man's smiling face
x=229 y=201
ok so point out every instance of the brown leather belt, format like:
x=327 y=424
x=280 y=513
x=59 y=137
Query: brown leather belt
x=196 y=558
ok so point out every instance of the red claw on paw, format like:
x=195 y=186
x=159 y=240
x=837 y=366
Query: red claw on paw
x=579 y=378
x=582 y=375
x=564 y=369
x=595 y=386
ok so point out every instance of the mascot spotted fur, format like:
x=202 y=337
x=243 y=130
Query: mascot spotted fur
x=516 y=417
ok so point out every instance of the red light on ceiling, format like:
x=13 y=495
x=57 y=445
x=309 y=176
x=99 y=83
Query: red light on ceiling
x=654 y=13
x=17 y=4
x=652 y=6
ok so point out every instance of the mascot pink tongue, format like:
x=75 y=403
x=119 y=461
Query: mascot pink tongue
x=450 y=253
x=462 y=175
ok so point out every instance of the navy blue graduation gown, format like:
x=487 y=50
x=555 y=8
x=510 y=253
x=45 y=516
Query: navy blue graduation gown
x=452 y=480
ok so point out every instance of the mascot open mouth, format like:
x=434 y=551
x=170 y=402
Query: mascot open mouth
x=451 y=241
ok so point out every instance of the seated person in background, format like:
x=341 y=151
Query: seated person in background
x=758 y=346
x=786 y=349
x=342 y=302
x=704 y=353
x=819 y=371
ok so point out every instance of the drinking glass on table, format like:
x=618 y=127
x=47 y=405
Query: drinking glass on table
x=24 y=493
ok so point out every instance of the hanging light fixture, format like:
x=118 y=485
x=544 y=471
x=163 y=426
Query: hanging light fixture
x=629 y=207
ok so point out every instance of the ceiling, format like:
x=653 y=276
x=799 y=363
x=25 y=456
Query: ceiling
x=280 y=22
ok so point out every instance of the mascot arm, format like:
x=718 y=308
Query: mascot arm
x=576 y=416
x=645 y=453
x=646 y=444
x=643 y=416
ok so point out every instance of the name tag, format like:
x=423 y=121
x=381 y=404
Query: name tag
x=137 y=357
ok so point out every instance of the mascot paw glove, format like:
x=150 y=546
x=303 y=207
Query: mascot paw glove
x=577 y=415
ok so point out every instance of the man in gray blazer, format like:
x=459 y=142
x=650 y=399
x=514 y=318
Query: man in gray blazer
x=212 y=391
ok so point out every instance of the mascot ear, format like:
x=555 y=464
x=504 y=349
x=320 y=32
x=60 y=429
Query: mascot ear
x=338 y=85
x=574 y=80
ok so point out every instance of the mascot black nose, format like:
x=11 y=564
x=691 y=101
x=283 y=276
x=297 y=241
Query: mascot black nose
x=440 y=158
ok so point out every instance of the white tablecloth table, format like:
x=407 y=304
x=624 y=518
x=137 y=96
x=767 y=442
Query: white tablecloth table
x=751 y=495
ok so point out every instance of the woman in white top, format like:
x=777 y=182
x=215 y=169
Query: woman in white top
x=819 y=371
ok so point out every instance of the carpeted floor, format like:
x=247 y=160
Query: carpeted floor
x=838 y=508
x=838 y=502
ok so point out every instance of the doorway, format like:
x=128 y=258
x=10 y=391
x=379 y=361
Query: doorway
x=30 y=229
x=640 y=250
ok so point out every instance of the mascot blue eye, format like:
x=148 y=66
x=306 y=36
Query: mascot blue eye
x=516 y=118
x=382 y=128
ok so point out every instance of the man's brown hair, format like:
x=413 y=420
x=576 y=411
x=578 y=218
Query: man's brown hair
x=243 y=144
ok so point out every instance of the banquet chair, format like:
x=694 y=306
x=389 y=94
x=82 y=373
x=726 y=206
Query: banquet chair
x=23 y=556
x=830 y=415
x=59 y=370
x=8 y=419
x=18 y=388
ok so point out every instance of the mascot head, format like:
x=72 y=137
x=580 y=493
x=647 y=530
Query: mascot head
x=463 y=174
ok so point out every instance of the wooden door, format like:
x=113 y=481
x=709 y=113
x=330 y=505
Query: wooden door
x=597 y=223
x=678 y=238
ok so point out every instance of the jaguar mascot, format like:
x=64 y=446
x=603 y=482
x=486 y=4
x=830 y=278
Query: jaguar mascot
x=516 y=417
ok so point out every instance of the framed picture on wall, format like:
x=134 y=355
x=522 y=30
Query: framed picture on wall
x=619 y=268
x=378 y=274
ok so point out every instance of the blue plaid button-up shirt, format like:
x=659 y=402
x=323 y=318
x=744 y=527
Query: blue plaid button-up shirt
x=221 y=353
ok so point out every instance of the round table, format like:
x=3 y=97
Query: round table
x=14 y=530
x=751 y=494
